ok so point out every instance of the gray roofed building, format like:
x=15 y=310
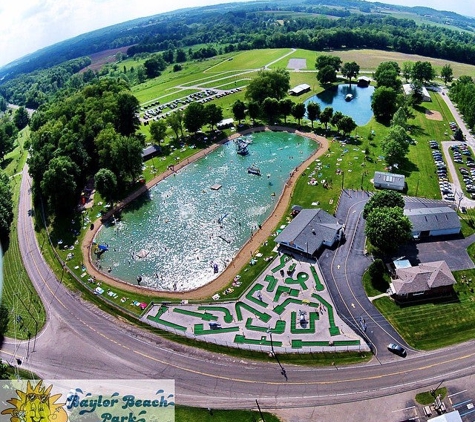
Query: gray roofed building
x=310 y=230
x=150 y=152
x=427 y=279
x=385 y=180
x=437 y=221
x=299 y=89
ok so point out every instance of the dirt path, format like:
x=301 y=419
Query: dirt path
x=241 y=259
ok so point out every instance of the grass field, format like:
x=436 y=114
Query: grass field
x=27 y=314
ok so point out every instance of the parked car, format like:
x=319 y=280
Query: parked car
x=397 y=349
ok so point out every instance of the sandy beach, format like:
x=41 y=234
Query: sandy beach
x=242 y=257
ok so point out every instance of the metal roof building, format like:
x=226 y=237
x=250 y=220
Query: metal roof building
x=393 y=181
x=299 y=89
x=437 y=221
x=310 y=230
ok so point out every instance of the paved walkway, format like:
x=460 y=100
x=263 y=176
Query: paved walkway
x=242 y=256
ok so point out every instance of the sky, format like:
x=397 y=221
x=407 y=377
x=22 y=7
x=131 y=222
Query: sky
x=28 y=25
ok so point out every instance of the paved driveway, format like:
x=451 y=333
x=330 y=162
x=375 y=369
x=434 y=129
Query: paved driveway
x=452 y=250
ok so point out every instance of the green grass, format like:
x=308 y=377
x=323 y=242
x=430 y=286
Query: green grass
x=194 y=414
x=427 y=398
x=27 y=314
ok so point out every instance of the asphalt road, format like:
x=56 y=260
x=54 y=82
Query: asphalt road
x=80 y=341
x=344 y=267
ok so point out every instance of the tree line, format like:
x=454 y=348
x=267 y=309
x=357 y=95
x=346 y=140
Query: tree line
x=80 y=135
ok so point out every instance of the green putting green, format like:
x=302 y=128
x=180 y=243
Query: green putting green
x=204 y=316
x=200 y=331
x=284 y=289
x=334 y=330
x=158 y=320
x=228 y=317
x=240 y=339
x=318 y=284
x=313 y=316
x=279 y=309
x=262 y=315
x=257 y=287
x=301 y=279
x=298 y=343
x=278 y=329
x=283 y=260
x=272 y=282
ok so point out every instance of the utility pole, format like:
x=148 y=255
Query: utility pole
x=260 y=411
x=282 y=370
x=34 y=319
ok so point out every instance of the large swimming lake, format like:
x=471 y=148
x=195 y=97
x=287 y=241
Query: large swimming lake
x=184 y=230
x=359 y=108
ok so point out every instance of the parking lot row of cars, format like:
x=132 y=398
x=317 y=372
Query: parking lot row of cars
x=154 y=110
x=445 y=187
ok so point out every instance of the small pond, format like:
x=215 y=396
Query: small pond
x=359 y=108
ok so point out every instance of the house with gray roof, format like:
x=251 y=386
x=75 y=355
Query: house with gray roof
x=437 y=221
x=309 y=231
x=384 y=180
x=427 y=280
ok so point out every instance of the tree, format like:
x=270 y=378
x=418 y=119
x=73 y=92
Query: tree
x=387 y=229
x=59 y=185
x=270 y=107
x=337 y=116
x=384 y=103
x=268 y=83
x=447 y=73
x=326 y=116
x=346 y=125
x=239 y=110
x=21 y=118
x=194 y=117
x=298 y=111
x=254 y=110
x=423 y=72
x=105 y=182
x=350 y=70
x=158 y=130
x=6 y=209
x=326 y=75
x=387 y=75
x=7 y=140
x=213 y=114
x=127 y=121
x=400 y=118
x=383 y=199
x=327 y=60
x=175 y=121
x=417 y=94
x=313 y=111
x=154 y=66
x=126 y=156
x=407 y=70
x=395 y=146
x=285 y=107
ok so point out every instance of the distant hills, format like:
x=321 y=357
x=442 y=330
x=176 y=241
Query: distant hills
x=138 y=30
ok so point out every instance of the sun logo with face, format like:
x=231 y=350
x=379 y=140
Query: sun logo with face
x=36 y=405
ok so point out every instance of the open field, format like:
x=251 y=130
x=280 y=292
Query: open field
x=370 y=59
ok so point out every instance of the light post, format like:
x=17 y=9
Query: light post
x=282 y=370
x=342 y=179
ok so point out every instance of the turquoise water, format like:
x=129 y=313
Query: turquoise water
x=359 y=108
x=184 y=227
